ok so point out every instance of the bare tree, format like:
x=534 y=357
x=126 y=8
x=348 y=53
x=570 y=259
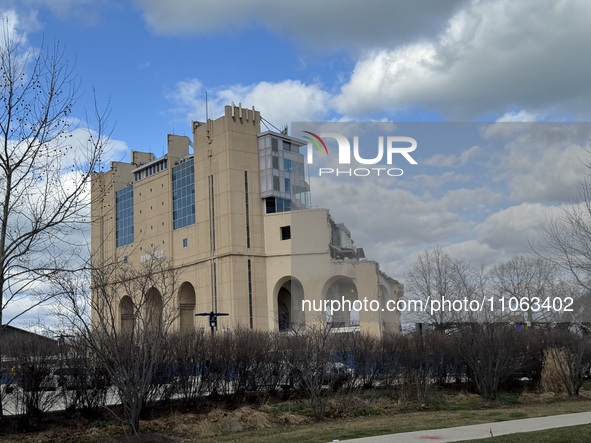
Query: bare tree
x=133 y=316
x=567 y=240
x=528 y=279
x=44 y=170
x=567 y=244
x=435 y=277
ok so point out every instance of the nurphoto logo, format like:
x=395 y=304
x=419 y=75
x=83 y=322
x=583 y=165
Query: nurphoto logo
x=387 y=147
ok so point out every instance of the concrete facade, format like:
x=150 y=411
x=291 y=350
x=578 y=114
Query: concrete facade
x=230 y=210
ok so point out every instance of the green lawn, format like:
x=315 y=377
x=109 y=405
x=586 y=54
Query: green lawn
x=571 y=434
x=395 y=421
x=349 y=417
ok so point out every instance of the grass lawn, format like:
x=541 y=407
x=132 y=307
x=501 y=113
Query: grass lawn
x=571 y=434
x=349 y=416
x=394 y=422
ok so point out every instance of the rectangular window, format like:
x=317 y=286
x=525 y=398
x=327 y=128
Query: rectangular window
x=282 y=205
x=275 y=183
x=185 y=242
x=124 y=216
x=211 y=214
x=286 y=146
x=183 y=194
x=247 y=213
x=250 y=294
x=270 y=207
x=287 y=185
x=302 y=195
x=285 y=232
x=275 y=162
x=274 y=145
x=287 y=167
x=214 y=287
x=276 y=204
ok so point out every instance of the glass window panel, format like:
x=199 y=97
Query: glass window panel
x=183 y=194
x=124 y=216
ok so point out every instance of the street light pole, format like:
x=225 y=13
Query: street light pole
x=213 y=318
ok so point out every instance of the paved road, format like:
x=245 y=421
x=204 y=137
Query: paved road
x=481 y=431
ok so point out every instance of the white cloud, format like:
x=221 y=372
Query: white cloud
x=279 y=103
x=17 y=23
x=428 y=182
x=188 y=99
x=32 y=12
x=542 y=161
x=468 y=154
x=475 y=253
x=521 y=60
x=513 y=229
x=529 y=54
x=317 y=24
x=440 y=160
x=477 y=199
x=518 y=116
x=387 y=222
x=449 y=160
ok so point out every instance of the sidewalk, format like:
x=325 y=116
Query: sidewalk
x=484 y=430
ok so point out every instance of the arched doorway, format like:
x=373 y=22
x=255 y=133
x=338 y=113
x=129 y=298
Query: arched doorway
x=284 y=309
x=289 y=305
x=187 y=307
x=126 y=314
x=343 y=290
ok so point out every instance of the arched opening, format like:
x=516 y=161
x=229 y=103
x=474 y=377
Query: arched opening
x=343 y=314
x=289 y=305
x=284 y=309
x=187 y=307
x=153 y=309
x=126 y=309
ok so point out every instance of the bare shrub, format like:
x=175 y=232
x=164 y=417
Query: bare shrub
x=81 y=379
x=566 y=355
x=188 y=357
x=363 y=353
x=421 y=360
x=311 y=359
x=493 y=353
x=32 y=361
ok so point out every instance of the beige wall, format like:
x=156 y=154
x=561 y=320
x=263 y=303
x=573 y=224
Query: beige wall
x=226 y=148
x=306 y=258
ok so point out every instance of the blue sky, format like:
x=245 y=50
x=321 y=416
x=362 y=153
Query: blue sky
x=487 y=61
